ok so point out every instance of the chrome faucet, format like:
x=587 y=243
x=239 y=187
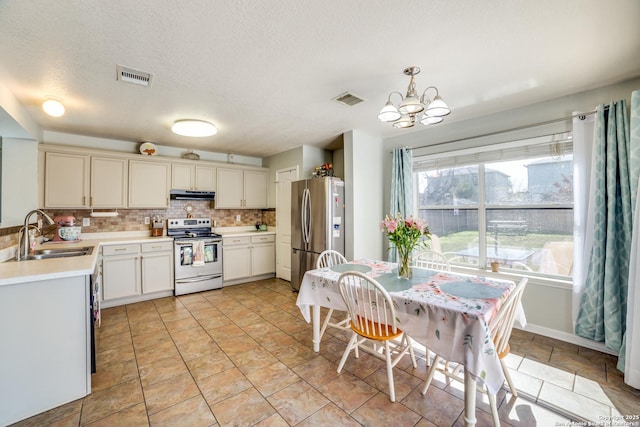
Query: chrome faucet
x=23 y=250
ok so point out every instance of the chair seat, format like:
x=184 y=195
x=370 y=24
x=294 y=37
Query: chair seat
x=386 y=334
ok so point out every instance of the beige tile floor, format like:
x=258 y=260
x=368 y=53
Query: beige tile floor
x=243 y=356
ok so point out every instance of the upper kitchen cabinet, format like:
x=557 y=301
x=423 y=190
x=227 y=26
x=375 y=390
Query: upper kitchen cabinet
x=149 y=184
x=66 y=181
x=238 y=188
x=109 y=182
x=192 y=177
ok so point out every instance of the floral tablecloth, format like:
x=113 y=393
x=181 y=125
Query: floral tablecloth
x=447 y=312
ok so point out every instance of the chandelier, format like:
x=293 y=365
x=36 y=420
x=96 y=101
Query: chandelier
x=406 y=114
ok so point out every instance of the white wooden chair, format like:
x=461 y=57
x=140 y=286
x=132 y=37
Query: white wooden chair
x=329 y=258
x=432 y=260
x=374 y=323
x=500 y=327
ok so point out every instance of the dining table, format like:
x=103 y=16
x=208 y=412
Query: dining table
x=449 y=313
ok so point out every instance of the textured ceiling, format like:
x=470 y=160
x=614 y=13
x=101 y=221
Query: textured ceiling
x=265 y=72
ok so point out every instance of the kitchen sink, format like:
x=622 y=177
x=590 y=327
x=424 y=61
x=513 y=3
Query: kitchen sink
x=59 y=253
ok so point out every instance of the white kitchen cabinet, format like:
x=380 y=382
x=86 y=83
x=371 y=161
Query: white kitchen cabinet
x=193 y=177
x=263 y=255
x=236 y=258
x=246 y=258
x=238 y=188
x=66 y=180
x=205 y=178
x=120 y=271
x=149 y=184
x=45 y=360
x=157 y=267
x=109 y=186
x=133 y=271
x=255 y=189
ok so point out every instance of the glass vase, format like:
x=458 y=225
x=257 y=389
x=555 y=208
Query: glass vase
x=404 y=264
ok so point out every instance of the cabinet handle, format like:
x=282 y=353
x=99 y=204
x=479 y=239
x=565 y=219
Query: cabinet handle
x=91 y=201
x=84 y=199
x=120 y=249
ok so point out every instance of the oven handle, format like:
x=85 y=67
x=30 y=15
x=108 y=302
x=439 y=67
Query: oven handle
x=190 y=242
x=198 y=278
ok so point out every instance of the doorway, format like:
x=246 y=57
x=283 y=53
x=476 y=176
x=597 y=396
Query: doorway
x=284 y=177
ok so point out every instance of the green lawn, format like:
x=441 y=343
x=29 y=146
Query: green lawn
x=461 y=240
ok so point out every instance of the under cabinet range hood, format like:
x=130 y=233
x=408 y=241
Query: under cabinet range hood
x=192 y=195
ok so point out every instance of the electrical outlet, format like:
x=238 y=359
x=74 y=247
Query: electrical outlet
x=237 y=218
x=86 y=222
x=147 y=220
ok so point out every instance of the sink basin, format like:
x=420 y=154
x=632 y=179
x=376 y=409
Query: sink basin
x=59 y=253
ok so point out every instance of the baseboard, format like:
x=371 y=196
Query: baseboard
x=570 y=338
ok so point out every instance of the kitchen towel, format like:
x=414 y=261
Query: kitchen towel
x=198 y=253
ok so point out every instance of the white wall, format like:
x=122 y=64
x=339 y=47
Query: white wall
x=19 y=179
x=363 y=195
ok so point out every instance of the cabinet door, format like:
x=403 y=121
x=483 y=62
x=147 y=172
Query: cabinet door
x=149 y=184
x=66 y=181
x=205 y=178
x=263 y=259
x=108 y=182
x=182 y=177
x=229 y=191
x=157 y=272
x=121 y=276
x=236 y=262
x=255 y=189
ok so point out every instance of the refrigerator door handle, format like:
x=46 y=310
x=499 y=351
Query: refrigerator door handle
x=306 y=209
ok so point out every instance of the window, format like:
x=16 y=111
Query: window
x=513 y=205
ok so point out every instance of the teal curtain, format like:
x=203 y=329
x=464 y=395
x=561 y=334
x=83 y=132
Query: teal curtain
x=603 y=307
x=401 y=186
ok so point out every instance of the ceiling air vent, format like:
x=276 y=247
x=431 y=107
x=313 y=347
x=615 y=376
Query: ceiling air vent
x=131 y=75
x=348 y=99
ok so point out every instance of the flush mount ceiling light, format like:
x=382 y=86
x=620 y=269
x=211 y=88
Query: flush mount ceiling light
x=196 y=128
x=53 y=107
x=406 y=114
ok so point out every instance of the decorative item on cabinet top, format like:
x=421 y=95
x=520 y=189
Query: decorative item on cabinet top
x=148 y=149
x=190 y=155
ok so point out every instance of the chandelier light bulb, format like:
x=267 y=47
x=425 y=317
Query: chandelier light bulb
x=389 y=113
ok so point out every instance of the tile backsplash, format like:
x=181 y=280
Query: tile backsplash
x=133 y=219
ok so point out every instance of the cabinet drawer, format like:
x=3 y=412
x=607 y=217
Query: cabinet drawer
x=156 y=246
x=263 y=239
x=239 y=240
x=120 y=249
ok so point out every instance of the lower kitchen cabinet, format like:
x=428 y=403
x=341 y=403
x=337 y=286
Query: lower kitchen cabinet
x=157 y=267
x=136 y=272
x=247 y=258
x=120 y=271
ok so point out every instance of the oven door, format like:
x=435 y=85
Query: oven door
x=186 y=262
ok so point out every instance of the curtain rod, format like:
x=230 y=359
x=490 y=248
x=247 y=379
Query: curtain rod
x=582 y=116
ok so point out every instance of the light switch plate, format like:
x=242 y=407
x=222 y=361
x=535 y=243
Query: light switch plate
x=237 y=218
x=86 y=222
x=147 y=220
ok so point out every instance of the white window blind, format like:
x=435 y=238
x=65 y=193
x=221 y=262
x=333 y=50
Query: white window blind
x=555 y=146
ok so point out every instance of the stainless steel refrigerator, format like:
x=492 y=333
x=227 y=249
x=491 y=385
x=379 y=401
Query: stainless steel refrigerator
x=317 y=223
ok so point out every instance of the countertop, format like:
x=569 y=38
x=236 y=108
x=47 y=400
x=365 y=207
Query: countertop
x=12 y=272
x=241 y=231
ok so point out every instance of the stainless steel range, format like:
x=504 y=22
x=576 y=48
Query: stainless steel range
x=198 y=255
